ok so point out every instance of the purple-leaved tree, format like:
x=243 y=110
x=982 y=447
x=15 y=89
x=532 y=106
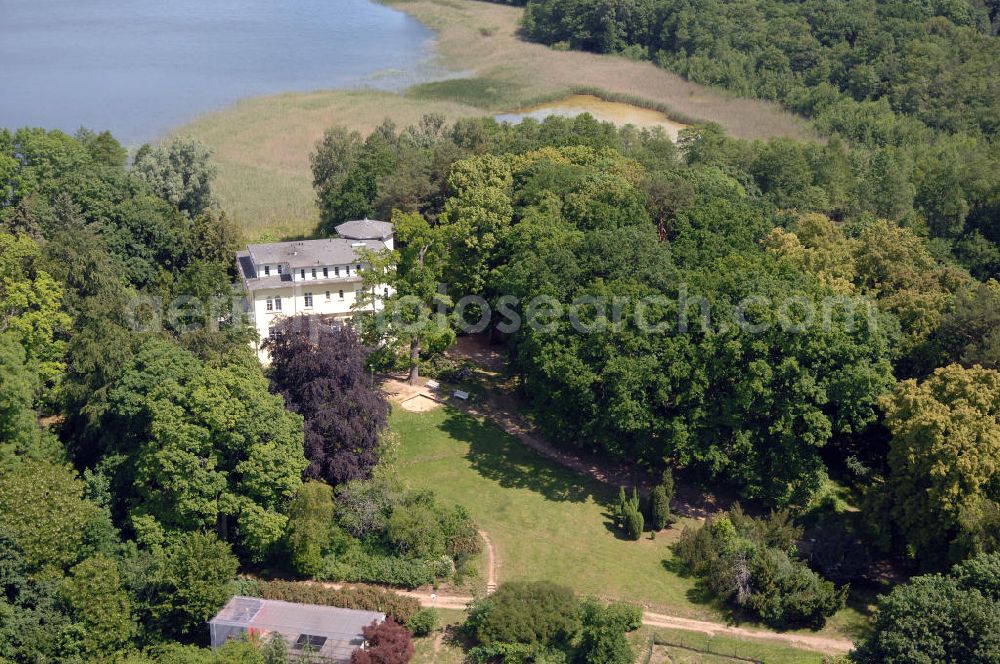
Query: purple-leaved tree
x=320 y=371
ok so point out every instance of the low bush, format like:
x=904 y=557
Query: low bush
x=368 y=567
x=364 y=598
x=423 y=622
x=544 y=623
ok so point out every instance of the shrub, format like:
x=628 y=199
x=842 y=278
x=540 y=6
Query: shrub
x=634 y=523
x=363 y=598
x=659 y=508
x=371 y=567
x=628 y=515
x=752 y=564
x=423 y=622
x=528 y=612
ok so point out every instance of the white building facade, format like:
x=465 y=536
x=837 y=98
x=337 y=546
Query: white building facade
x=320 y=278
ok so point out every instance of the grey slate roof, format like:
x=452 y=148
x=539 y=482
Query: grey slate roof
x=341 y=628
x=365 y=229
x=311 y=253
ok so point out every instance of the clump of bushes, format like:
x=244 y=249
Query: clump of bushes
x=363 y=598
x=423 y=622
x=376 y=532
x=752 y=564
x=629 y=514
x=540 y=621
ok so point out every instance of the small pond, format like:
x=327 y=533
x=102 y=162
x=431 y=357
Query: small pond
x=606 y=111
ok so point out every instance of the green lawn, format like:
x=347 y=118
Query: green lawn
x=680 y=647
x=546 y=522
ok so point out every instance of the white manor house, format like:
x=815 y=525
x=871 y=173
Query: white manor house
x=319 y=278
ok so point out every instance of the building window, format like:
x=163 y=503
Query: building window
x=279 y=268
x=302 y=273
x=359 y=267
x=270 y=304
x=336 y=271
x=385 y=292
x=328 y=296
x=341 y=294
x=326 y=272
x=309 y=300
x=277 y=304
x=272 y=333
x=267 y=270
x=348 y=268
x=314 y=273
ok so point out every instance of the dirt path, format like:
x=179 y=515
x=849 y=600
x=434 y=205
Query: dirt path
x=502 y=408
x=491 y=563
x=827 y=645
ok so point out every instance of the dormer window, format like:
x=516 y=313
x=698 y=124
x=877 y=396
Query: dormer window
x=348 y=268
x=359 y=267
x=279 y=268
x=336 y=271
x=302 y=273
x=326 y=272
x=314 y=273
x=267 y=270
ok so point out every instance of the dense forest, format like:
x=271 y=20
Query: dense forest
x=913 y=87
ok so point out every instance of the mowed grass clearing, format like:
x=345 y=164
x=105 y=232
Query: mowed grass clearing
x=548 y=522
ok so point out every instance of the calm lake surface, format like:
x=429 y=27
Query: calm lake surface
x=140 y=67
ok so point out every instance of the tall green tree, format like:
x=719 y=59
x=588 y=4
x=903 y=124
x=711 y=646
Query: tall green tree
x=414 y=318
x=935 y=618
x=944 y=459
x=310 y=526
x=180 y=172
x=206 y=444
x=100 y=607
x=43 y=508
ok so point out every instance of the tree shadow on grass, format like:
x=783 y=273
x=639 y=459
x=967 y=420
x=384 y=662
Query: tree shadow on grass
x=497 y=456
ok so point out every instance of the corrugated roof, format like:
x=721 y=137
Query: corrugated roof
x=365 y=229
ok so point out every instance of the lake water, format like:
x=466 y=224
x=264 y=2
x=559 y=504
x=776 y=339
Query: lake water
x=141 y=67
x=603 y=110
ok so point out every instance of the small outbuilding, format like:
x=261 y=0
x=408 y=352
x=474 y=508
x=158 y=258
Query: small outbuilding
x=326 y=633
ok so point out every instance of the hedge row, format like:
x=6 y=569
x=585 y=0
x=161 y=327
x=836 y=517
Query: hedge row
x=364 y=598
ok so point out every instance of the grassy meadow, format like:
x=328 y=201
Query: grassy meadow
x=550 y=523
x=262 y=145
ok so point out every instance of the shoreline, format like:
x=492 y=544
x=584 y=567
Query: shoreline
x=262 y=144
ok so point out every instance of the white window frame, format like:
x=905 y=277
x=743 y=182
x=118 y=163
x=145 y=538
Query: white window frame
x=308 y=300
